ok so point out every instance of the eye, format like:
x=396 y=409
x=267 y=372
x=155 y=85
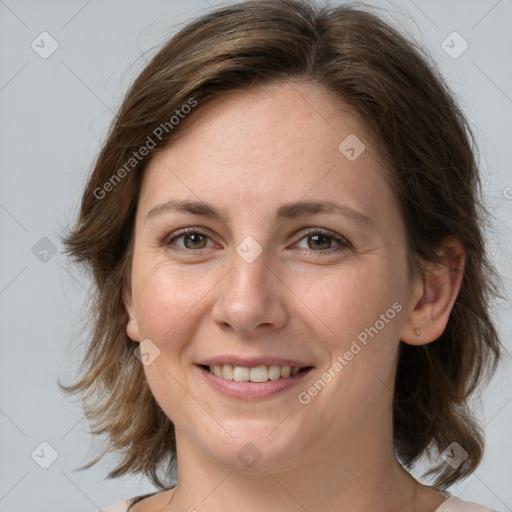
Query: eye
x=316 y=240
x=192 y=239
x=321 y=241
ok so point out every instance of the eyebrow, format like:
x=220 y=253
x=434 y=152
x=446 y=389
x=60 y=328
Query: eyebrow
x=285 y=211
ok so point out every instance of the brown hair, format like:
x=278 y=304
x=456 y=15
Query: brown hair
x=428 y=146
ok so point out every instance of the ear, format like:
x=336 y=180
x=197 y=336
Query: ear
x=434 y=295
x=132 y=327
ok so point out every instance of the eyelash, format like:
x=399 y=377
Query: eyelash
x=342 y=242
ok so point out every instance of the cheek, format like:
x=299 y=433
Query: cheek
x=169 y=302
x=358 y=315
x=347 y=301
x=167 y=297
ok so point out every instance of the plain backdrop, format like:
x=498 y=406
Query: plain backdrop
x=65 y=66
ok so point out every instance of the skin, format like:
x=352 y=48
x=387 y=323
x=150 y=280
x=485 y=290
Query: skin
x=247 y=154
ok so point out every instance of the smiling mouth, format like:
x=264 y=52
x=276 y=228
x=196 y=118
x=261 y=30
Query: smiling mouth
x=261 y=373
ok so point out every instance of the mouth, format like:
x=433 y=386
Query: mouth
x=255 y=382
x=256 y=374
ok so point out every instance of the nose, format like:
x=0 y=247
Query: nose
x=251 y=298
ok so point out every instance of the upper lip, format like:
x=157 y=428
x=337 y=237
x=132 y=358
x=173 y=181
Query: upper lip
x=251 y=362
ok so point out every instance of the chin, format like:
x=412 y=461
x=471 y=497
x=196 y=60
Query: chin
x=256 y=445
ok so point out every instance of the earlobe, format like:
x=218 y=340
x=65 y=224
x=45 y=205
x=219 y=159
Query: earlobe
x=132 y=327
x=434 y=296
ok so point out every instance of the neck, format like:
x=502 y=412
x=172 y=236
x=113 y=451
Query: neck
x=338 y=473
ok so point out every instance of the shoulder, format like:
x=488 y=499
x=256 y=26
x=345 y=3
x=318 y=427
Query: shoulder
x=120 y=506
x=454 y=504
x=126 y=505
x=152 y=501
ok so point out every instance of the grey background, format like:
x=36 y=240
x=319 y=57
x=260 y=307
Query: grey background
x=55 y=113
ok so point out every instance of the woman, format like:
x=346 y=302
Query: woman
x=292 y=289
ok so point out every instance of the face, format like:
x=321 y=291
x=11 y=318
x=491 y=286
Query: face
x=256 y=270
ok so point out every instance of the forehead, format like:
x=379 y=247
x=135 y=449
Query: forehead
x=255 y=147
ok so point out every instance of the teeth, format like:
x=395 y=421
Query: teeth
x=241 y=374
x=286 y=371
x=274 y=372
x=256 y=374
x=227 y=371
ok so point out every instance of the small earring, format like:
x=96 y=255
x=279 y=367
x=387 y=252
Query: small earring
x=417 y=331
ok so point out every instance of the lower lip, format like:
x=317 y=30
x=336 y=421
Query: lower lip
x=252 y=390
